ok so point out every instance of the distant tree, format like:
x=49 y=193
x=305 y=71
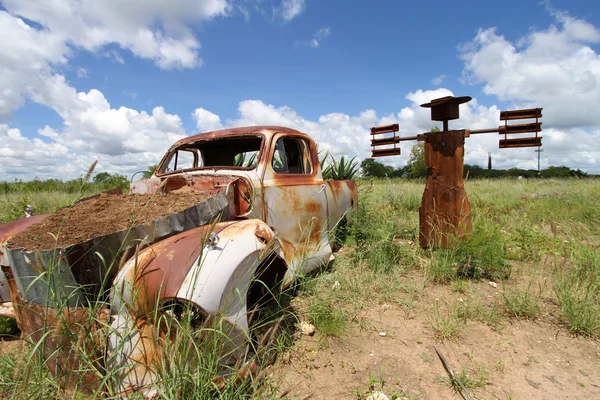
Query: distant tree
x=416 y=161
x=373 y=169
x=149 y=171
x=557 y=172
x=110 y=181
x=102 y=177
x=489 y=161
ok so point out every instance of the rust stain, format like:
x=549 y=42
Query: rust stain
x=69 y=336
x=11 y=228
x=165 y=265
x=445 y=212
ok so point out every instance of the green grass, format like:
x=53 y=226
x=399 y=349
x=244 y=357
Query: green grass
x=545 y=229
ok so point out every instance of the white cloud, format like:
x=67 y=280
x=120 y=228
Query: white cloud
x=81 y=72
x=290 y=9
x=317 y=38
x=554 y=68
x=438 y=80
x=151 y=29
x=124 y=140
x=206 y=121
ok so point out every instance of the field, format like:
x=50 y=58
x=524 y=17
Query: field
x=514 y=309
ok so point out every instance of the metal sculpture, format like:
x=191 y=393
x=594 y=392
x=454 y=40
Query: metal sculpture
x=445 y=212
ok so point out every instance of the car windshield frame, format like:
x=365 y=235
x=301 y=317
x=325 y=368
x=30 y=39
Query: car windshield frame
x=208 y=142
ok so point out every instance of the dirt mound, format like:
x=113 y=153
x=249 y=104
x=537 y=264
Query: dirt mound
x=101 y=215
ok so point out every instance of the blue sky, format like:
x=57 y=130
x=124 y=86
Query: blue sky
x=119 y=82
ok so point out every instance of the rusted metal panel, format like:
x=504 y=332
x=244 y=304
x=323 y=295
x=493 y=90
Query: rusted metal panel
x=445 y=108
x=385 y=152
x=385 y=141
x=377 y=130
x=445 y=212
x=83 y=269
x=529 y=113
x=520 y=128
x=66 y=335
x=7 y=231
x=520 y=142
x=214 y=277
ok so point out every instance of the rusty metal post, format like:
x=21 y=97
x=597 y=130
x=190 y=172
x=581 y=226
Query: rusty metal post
x=445 y=212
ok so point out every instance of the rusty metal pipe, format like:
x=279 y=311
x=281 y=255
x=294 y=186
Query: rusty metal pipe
x=478 y=131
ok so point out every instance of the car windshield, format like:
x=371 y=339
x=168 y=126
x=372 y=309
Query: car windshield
x=236 y=152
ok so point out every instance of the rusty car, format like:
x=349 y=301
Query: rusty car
x=276 y=215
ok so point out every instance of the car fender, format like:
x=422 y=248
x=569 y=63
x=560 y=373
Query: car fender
x=210 y=267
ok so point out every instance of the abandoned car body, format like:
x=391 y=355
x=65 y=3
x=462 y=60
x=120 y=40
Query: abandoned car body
x=280 y=213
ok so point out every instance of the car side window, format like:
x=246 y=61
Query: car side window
x=182 y=159
x=292 y=156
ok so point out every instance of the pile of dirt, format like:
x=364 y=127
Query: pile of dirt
x=101 y=215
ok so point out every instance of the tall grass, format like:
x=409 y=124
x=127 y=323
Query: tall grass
x=517 y=224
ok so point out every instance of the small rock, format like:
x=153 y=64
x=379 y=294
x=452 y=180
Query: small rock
x=382 y=334
x=307 y=329
x=493 y=284
x=336 y=285
x=377 y=396
x=386 y=306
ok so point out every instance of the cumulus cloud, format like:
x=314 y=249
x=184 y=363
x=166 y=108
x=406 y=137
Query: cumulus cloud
x=554 y=68
x=38 y=39
x=152 y=29
x=206 y=121
x=289 y=9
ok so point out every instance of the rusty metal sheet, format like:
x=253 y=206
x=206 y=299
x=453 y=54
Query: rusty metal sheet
x=385 y=152
x=445 y=212
x=385 y=141
x=377 y=130
x=520 y=142
x=529 y=113
x=68 y=335
x=92 y=265
x=7 y=231
x=520 y=128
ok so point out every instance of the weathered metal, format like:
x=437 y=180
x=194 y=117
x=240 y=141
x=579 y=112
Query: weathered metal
x=376 y=130
x=385 y=152
x=290 y=211
x=7 y=231
x=75 y=274
x=277 y=208
x=376 y=150
x=528 y=113
x=445 y=108
x=445 y=212
x=520 y=142
x=64 y=336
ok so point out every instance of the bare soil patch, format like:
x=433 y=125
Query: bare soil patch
x=524 y=360
x=102 y=215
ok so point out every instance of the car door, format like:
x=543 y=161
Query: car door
x=295 y=196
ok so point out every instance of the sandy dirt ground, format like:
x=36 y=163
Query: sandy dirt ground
x=524 y=360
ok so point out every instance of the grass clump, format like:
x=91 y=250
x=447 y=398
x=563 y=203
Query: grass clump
x=329 y=320
x=523 y=304
x=469 y=379
x=578 y=291
x=446 y=326
x=482 y=255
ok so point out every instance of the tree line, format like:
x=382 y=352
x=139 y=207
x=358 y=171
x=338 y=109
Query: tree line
x=415 y=168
